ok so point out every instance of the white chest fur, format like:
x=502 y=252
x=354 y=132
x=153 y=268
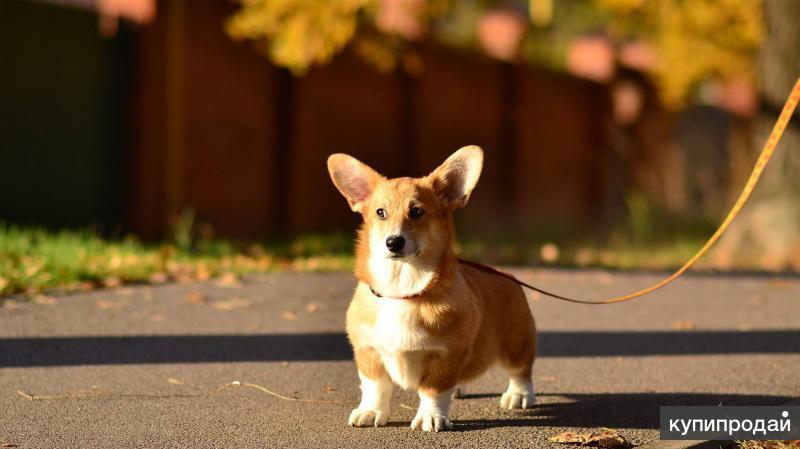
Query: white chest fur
x=398 y=278
x=401 y=341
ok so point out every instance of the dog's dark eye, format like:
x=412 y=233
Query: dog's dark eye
x=381 y=213
x=416 y=212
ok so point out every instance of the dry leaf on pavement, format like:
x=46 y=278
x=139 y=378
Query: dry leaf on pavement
x=230 y=304
x=195 y=298
x=229 y=280
x=103 y=304
x=159 y=278
x=44 y=299
x=607 y=438
x=683 y=325
x=112 y=282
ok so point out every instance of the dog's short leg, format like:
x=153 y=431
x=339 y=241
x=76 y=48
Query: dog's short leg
x=520 y=393
x=373 y=411
x=432 y=415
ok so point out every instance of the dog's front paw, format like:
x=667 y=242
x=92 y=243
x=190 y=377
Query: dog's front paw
x=431 y=422
x=368 y=418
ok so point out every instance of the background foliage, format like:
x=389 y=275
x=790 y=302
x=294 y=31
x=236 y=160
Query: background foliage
x=694 y=40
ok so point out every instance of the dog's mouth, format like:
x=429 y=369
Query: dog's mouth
x=396 y=256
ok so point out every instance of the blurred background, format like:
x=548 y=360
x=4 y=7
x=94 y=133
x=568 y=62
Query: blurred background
x=176 y=139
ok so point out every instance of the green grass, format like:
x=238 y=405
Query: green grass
x=35 y=259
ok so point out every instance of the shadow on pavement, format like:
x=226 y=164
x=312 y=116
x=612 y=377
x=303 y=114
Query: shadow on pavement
x=116 y=350
x=619 y=411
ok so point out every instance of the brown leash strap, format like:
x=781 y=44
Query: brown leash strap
x=752 y=181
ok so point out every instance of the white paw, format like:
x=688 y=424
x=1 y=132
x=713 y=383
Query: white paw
x=520 y=394
x=431 y=422
x=368 y=418
x=514 y=400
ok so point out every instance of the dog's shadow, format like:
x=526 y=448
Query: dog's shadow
x=586 y=410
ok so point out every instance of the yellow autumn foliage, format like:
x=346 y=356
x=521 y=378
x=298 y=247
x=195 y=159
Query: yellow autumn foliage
x=695 y=40
x=297 y=33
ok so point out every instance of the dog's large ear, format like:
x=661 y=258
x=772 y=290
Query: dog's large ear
x=458 y=175
x=355 y=180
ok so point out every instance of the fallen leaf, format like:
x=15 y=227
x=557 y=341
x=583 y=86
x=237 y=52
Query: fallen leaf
x=570 y=438
x=116 y=261
x=230 y=304
x=112 y=281
x=195 y=298
x=328 y=389
x=103 y=304
x=30 y=270
x=175 y=381
x=683 y=325
x=184 y=279
x=44 y=299
x=312 y=307
x=607 y=438
x=229 y=280
x=202 y=273
x=288 y=316
x=159 y=278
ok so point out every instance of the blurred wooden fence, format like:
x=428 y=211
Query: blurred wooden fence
x=216 y=128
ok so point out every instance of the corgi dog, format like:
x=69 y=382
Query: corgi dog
x=419 y=318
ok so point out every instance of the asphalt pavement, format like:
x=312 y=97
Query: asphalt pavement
x=195 y=365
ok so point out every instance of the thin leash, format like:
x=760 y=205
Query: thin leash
x=752 y=181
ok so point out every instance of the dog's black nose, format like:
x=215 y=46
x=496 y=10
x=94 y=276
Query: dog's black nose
x=395 y=243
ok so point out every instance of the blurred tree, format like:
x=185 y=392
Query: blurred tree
x=695 y=40
x=769 y=230
x=298 y=33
